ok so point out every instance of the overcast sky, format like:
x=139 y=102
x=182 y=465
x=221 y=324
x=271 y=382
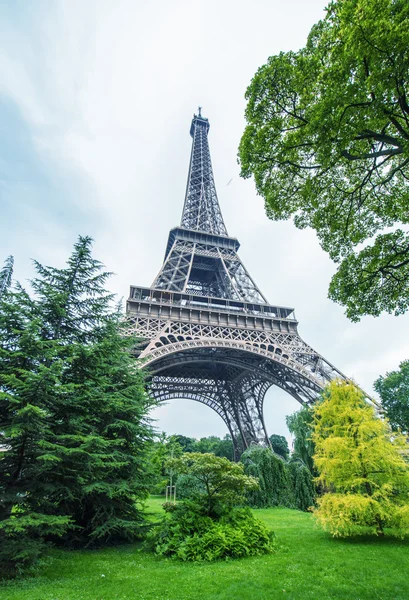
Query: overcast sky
x=96 y=99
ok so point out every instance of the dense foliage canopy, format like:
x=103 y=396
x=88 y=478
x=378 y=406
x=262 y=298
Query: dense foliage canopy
x=394 y=392
x=222 y=482
x=279 y=445
x=327 y=142
x=280 y=482
x=361 y=466
x=300 y=426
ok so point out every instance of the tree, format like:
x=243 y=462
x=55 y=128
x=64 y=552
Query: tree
x=303 y=489
x=281 y=483
x=222 y=482
x=394 y=392
x=361 y=465
x=279 y=445
x=6 y=274
x=187 y=444
x=25 y=382
x=72 y=408
x=209 y=524
x=162 y=448
x=226 y=448
x=271 y=472
x=327 y=142
x=300 y=425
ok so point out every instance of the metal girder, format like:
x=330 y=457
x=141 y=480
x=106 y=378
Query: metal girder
x=208 y=332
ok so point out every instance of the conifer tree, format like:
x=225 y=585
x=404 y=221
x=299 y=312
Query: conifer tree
x=72 y=408
x=6 y=274
x=361 y=465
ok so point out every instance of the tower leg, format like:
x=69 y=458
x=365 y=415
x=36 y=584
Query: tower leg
x=246 y=402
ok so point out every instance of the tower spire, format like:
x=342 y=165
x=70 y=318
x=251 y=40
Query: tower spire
x=201 y=210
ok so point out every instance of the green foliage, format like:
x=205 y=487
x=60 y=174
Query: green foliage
x=394 y=392
x=221 y=483
x=6 y=274
x=207 y=525
x=215 y=445
x=300 y=425
x=72 y=412
x=164 y=447
x=186 y=443
x=272 y=475
x=188 y=486
x=281 y=483
x=161 y=449
x=361 y=465
x=327 y=143
x=303 y=489
x=279 y=445
x=188 y=534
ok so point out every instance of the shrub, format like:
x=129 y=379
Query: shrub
x=188 y=534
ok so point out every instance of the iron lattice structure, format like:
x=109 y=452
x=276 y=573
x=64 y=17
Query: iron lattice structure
x=209 y=333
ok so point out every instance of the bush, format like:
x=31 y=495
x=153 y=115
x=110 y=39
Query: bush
x=188 y=486
x=188 y=534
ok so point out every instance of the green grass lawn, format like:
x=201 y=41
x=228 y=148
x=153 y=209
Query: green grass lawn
x=308 y=564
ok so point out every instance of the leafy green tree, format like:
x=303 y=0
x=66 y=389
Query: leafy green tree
x=207 y=444
x=300 y=425
x=215 y=445
x=279 y=445
x=73 y=409
x=394 y=392
x=209 y=524
x=271 y=472
x=186 y=443
x=222 y=482
x=226 y=448
x=281 y=483
x=327 y=142
x=6 y=274
x=162 y=448
x=302 y=484
x=361 y=465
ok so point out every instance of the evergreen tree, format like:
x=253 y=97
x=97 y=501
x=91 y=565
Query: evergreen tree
x=72 y=407
x=28 y=375
x=361 y=465
x=6 y=274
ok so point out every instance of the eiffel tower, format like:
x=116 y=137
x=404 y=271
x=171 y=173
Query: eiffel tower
x=208 y=332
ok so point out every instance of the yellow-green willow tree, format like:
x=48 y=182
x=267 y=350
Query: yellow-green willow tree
x=361 y=466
